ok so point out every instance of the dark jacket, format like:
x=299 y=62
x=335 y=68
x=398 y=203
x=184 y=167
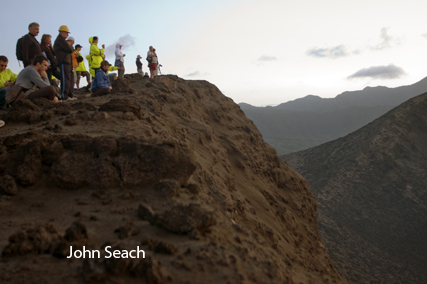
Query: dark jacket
x=101 y=80
x=138 y=63
x=63 y=51
x=30 y=49
x=50 y=54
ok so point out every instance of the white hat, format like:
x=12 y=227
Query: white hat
x=70 y=38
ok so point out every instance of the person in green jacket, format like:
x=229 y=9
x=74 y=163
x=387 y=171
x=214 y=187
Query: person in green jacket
x=81 y=69
x=7 y=77
x=96 y=55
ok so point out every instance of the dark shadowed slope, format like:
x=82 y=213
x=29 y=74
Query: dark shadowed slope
x=372 y=195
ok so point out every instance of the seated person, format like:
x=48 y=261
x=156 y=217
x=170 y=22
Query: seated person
x=33 y=79
x=101 y=85
x=6 y=78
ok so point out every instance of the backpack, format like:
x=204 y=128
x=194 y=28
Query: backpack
x=14 y=93
x=19 y=49
x=149 y=59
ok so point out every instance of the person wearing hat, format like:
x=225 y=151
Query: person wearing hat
x=75 y=64
x=64 y=60
x=139 y=65
x=81 y=69
x=120 y=60
x=101 y=85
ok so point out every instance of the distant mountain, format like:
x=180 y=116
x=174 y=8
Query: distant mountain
x=310 y=121
x=307 y=103
x=290 y=131
x=372 y=196
x=246 y=106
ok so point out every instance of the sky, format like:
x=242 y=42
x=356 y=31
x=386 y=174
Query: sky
x=259 y=52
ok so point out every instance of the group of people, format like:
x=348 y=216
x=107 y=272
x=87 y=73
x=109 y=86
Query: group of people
x=64 y=62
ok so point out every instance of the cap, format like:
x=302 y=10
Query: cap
x=78 y=45
x=139 y=56
x=70 y=38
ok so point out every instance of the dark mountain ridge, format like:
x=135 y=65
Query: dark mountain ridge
x=368 y=97
x=370 y=186
x=311 y=121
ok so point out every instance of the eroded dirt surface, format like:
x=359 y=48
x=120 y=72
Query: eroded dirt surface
x=169 y=165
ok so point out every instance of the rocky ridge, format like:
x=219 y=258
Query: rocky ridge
x=169 y=165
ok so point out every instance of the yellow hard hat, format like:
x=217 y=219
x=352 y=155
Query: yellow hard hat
x=64 y=28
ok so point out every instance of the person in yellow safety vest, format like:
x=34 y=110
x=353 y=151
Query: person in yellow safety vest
x=81 y=69
x=96 y=55
x=7 y=77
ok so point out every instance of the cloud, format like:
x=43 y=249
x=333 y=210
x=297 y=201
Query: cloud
x=387 y=40
x=379 y=72
x=127 y=41
x=196 y=73
x=266 y=58
x=332 y=52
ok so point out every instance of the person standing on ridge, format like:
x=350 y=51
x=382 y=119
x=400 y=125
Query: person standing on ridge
x=81 y=69
x=120 y=61
x=30 y=45
x=64 y=59
x=96 y=55
x=139 y=65
x=46 y=46
x=152 y=58
x=75 y=64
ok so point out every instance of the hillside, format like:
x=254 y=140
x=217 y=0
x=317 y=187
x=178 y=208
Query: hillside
x=167 y=165
x=292 y=131
x=370 y=187
x=311 y=121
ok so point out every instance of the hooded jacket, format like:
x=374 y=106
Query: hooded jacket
x=63 y=51
x=81 y=67
x=96 y=54
x=119 y=56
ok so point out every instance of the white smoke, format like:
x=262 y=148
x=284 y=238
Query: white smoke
x=127 y=41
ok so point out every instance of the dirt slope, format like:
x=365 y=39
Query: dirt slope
x=372 y=196
x=169 y=165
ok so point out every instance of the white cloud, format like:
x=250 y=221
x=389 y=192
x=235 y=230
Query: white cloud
x=332 y=52
x=266 y=58
x=379 y=72
x=196 y=73
x=387 y=40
